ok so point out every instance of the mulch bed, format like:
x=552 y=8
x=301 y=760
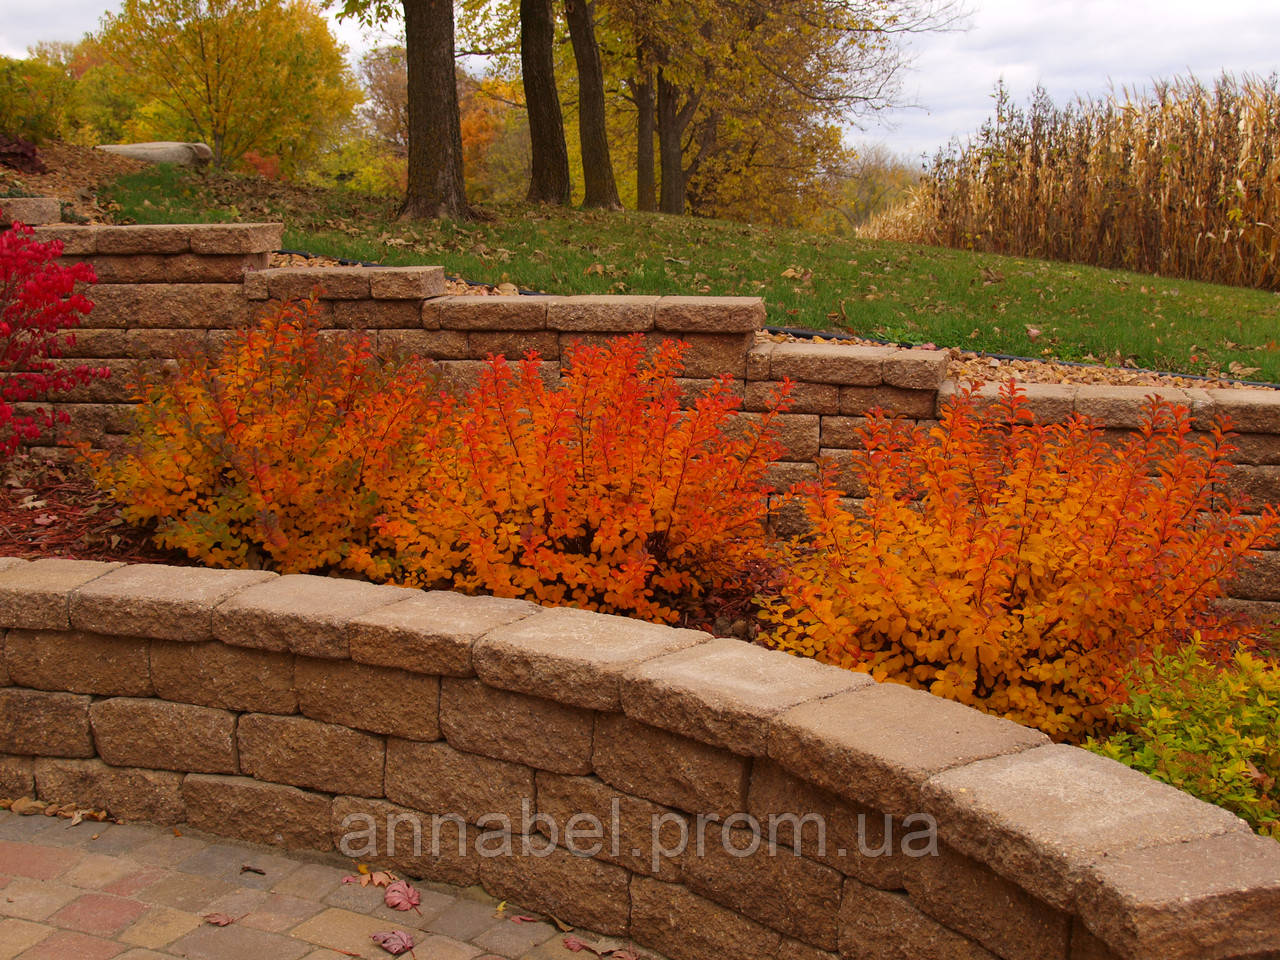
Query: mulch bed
x=50 y=509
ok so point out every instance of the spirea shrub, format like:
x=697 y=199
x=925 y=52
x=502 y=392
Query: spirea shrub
x=1018 y=567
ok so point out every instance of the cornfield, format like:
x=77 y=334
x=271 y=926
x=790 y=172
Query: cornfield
x=1181 y=181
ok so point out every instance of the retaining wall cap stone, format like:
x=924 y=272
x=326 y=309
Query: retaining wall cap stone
x=727 y=692
x=1207 y=899
x=303 y=614
x=30 y=210
x=8 y=563
x=843 y=364
x=1043 y=816
x=159 y=601
x=431 y=632
x=574 y=656
x=879 y=744
x=36 y=595
x=710 y=314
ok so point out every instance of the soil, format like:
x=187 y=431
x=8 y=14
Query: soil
x=74 y=176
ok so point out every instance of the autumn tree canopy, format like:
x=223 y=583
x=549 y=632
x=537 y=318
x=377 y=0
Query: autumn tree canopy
x=262 y=76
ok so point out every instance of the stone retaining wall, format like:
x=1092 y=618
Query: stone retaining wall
x=167 y=288
x=293 y=710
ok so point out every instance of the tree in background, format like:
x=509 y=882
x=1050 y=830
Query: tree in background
x=549 y=162
x=435 y=186
x=261 y=76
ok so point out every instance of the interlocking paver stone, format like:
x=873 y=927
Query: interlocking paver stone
x=17 y=935
x=98 y=913
x=66 y=944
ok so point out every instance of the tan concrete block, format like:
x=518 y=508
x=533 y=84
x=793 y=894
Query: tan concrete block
x=436 y=344
x=1256 y=448
x=378 y=314
x=306 y=753
x=485 y=313
x=1218 y=897
x=726 y=692
x=36 y=595
x=710 y=314
x=1043 y=816
x=1259 y=578
x=480 y=719
x=881 y=925
x=514 y=345
x=406 y=283
x=377 y=699
x=782 y=474
x=1050 y=402
x=640 y=836
x=164 y=736
x=78 y=662
x=1259 y=612
x=668 y=769
x=737 y=868
x=255 y=286
x=257 y=812
x=174 y=268
x=436 y=778
x=1248 y=411
x=603 y=314
x=1252 y=488
x=216 y=238
x=405 y=840
x=184 y=306
x=462 y=376
x=1122 y=406
x=847 y=472
x=573 y=656
x=330 y=283
x=1085 y=946
x=878 y=745
x=303 y=614
x=151 y=796
x=577 y=890
x=30 y=210
x=916 y=369
x=893 y=401
x=90 y=342
x=842 y=432
x=157 y=928
x=9 y=563
x=431 y=632
x=844 y=365
x=717 y=354
x=75 y=239
x=969 y=898
x=797 y=433
x=16 y=777
x=758 y=359
x=118 y=386
x=805 y=397
x=684 y=926
x=154 y=600
x=35 y=723
x=213 y=674
x=860 y=842
x=144 y=238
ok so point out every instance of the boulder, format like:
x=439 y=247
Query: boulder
x=164 y=151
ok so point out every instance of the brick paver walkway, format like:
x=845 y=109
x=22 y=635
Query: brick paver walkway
x=98 y=891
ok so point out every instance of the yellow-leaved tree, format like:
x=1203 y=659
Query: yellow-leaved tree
x=262 y=77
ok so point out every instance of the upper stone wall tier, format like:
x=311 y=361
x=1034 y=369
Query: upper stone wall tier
x=205 y=239
x=276 y=708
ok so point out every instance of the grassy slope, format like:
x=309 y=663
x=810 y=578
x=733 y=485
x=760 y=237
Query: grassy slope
x=897 y=291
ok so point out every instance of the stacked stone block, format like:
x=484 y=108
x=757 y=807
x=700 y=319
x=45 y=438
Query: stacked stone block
x=168 y=289
x=283 y=709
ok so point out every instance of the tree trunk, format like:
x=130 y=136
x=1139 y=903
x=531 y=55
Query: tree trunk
x=436 y=187
x=549 y=182
x=597 y=167
x=646 y=179
x=670 y=152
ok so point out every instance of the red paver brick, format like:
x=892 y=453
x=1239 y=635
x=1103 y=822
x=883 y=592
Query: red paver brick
x=67 y=944
x=35 y=861
x=98 y=914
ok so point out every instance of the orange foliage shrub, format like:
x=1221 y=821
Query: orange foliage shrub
x=261 y=456
x=1018 y=567
x=601 y=492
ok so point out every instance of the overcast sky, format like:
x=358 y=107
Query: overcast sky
x=1070 y=46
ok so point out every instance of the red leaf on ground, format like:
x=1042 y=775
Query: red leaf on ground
x=395 y=942
x=218 y=919
x=402 y=896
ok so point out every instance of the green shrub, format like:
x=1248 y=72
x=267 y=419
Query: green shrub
x=1210 y=729
x=34 y=99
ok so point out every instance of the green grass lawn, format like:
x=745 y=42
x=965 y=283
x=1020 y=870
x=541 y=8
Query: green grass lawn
x=896 y=291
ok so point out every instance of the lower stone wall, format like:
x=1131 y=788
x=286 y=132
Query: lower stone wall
x=620 y=775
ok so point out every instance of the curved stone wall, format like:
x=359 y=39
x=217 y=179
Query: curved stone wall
x=705 y=797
